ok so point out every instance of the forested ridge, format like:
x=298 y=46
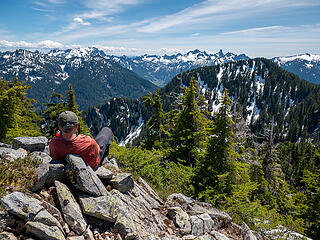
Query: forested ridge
x=242 y=136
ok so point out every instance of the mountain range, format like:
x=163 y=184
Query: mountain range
x=93 y=77
x=306 y=66
x=110 y=76
x=161 y=69
x=262 y=90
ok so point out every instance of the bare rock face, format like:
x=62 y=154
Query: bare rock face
x=30 y=144
x=83 y=177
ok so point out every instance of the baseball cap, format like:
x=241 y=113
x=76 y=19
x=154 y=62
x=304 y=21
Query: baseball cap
x=67 y=120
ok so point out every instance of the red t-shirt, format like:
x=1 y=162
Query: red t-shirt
x=82 y=145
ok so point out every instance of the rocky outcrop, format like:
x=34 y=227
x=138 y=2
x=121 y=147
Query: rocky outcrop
x=30 y=144
x=75 y=202
x=83 y=177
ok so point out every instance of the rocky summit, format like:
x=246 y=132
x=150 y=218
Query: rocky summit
x=71 y=201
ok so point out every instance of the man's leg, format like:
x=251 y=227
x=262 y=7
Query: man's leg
x=103 y=139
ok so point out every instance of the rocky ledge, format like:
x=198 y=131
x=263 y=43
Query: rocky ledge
x=71 y=201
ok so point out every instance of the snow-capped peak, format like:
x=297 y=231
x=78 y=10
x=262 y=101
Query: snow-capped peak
x=307 y=56
x=78 y=53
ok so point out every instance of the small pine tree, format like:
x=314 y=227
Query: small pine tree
x=17 y=114
x=188 y=127
x=155 y=122
x=213 y=169
x=71 y=105
x=57 y=106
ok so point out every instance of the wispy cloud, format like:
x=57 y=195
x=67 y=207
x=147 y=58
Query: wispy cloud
x=46 y=44
x=42 y=9
x=210 y=11
x=103 y=9
x=81 y=22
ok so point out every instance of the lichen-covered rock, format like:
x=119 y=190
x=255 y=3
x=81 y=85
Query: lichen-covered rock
x=43 y=231
x=83 y=177
x=41 y=156
x=5 y=145
x=246 y=233
x=179 y=200
x=111 y=164
x=99 y=207
x=219 y=236
x=7 y=236
x=10 y=154
x=70 y=209
x=46 y=218
x=123 y=182
x=179 y=217
x=30 y=143
x=104 y=173
x=21 y=205
x=47 y=173
x=196 y=226
x=207 y=222
x=76 y=238
x=149 y=190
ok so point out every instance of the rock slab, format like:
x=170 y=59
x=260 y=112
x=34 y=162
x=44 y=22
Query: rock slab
x=70 y=209
x=83 y=177
x=30 y=143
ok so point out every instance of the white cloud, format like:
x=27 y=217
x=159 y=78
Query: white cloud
x=103 y=9
x=195 y=34
x=46 y=44
x=211 y=11
x=81 y=22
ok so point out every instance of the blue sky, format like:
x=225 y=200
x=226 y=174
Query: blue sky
x=265 y=28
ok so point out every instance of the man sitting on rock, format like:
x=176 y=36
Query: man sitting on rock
x=67 y=142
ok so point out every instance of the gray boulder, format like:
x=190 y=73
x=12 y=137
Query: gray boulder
x=70 y=209
x=104 y=173
x=21 y=205
x=5 y=145
x=7 y=236
x=46 y=218
x=43 y=231
x=149 y=190
x=246 y=233
x=123 y=182
x=179 y=217
x=48 y=173
x=11 y=154
x=179 y=200
x=207 y=222
x=219 y=236
x=196 y=226
x=111 y=164
x=99 y=207
x=83 y=177
x=30 y=143
x=41 y=156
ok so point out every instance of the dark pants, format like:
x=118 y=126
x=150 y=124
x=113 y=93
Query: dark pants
x=103 y=139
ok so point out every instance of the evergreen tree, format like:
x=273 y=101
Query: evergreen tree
x=71 y=105
x=155 y=122
x=17 y=114
x=188 y=127
x=57 y=106
x=215 y=165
